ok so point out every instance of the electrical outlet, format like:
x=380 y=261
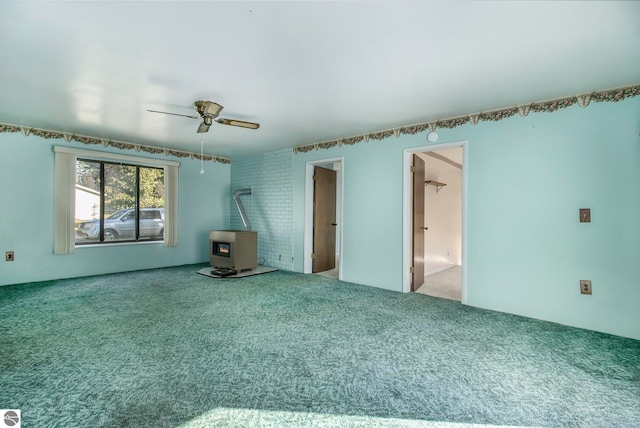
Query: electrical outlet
x=9 y=256
x=585 y=286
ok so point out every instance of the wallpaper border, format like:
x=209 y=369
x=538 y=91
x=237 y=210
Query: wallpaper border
x=122 y=145
x=611 y=95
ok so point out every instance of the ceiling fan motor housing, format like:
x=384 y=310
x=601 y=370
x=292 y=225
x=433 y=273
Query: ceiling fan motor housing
x=208 y=108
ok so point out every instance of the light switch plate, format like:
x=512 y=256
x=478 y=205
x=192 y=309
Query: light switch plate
x=585 y=215
x=585 y=286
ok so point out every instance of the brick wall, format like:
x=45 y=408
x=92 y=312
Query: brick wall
x=270 y=207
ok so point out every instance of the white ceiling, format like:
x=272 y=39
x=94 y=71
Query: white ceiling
x=306 y=71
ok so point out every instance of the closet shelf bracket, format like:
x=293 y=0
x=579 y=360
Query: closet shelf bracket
x=437 y=184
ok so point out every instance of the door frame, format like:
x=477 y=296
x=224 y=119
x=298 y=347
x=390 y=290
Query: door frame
x=308 y=211
x=407 y=211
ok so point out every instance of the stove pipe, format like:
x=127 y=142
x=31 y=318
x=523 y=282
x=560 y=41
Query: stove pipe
x=243 y=213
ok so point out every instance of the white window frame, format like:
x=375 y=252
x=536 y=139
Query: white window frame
x=65 y=178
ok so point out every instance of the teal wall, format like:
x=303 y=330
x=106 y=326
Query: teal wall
x=372 y=211
x=269 y=208
x=26 y=216
x=526 y=180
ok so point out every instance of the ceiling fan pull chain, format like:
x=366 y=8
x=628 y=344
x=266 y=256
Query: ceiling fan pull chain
x=202 y=154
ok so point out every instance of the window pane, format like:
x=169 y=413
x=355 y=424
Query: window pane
x=114 y=201
x=131 y=197
x=119 y=202
x=87 y=214
x=151 y=203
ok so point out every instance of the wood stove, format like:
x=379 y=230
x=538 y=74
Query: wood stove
x=233 y=249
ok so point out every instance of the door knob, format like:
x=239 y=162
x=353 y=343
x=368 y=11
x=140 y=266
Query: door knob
x=334 y=224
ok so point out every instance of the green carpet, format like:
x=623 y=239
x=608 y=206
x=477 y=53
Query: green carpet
x=171 y=348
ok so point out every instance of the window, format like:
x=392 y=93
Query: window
x=125 y=202
x=104 y=198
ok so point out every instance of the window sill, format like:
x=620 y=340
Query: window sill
x=118 y=244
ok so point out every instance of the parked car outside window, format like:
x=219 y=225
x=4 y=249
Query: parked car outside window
x=121 y=225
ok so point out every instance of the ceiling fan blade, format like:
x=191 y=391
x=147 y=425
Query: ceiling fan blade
x=174 y=114
x=240 y=123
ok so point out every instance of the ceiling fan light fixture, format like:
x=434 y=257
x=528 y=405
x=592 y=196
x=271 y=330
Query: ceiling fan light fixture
x=204 y=126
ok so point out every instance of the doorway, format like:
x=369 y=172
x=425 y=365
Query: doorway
x=323 y=217
x=440 y=242
x=442 y=199
x=323 y=253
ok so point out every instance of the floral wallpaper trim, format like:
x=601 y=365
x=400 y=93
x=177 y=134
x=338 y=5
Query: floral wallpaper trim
x=68 y=137
x=583 y=100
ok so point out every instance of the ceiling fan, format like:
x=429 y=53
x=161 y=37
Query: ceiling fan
x=209 y=111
